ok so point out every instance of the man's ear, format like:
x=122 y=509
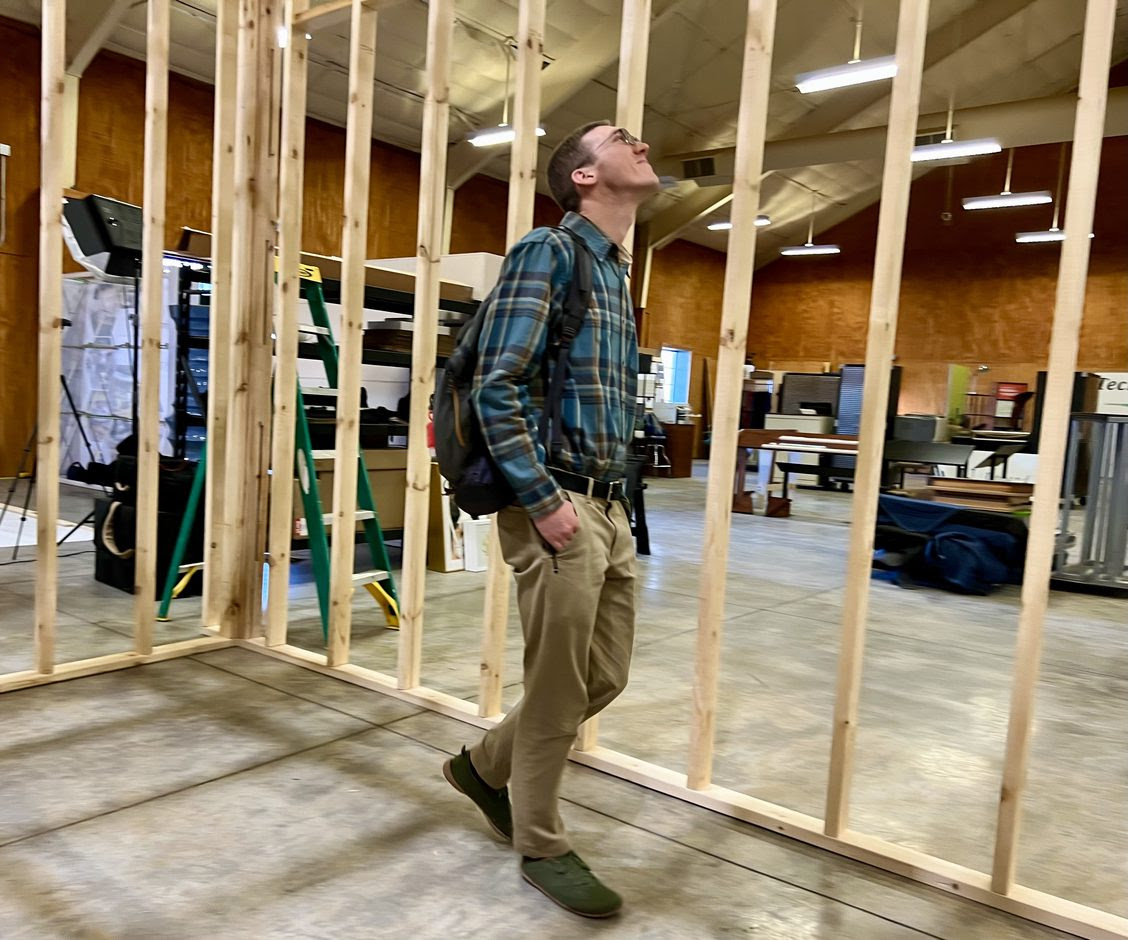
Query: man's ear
x=583 y=176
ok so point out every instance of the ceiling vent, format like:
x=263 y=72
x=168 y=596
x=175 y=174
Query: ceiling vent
x=700 y=166
x=708 y=169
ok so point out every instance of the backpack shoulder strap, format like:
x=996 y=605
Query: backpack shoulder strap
x=565 y=330
x=579 y=290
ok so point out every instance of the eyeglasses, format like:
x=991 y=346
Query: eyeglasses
x=622 y=135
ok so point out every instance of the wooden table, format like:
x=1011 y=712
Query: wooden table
x=782 y=441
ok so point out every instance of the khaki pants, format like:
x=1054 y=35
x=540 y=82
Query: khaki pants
x=578 y=616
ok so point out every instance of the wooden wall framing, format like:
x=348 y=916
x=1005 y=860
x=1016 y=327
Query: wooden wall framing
x=230 y=606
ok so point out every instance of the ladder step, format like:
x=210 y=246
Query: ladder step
x=321 y=392
x=369 y=577
x=312 y=330
x=323 y=454
x=360 y=515
x=190 y=567
x=301 y=529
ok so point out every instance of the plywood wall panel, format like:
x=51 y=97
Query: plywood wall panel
x=684 y=310
x=19 y=254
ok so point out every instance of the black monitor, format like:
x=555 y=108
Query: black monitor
x=104 y=235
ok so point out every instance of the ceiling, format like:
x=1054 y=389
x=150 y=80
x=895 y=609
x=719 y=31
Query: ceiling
x=980 y=52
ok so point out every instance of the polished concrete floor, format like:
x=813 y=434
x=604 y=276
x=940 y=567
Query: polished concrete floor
x=229 y=795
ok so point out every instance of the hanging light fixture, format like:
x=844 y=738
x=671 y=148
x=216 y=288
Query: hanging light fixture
x=761 y=221
x=1053 y=233
x=857 y=71
x=810 y=248
x=950 y=149
x=1007 y=199
x=504 y=133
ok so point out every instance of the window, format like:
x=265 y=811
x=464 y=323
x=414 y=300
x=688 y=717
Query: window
x=675 y=375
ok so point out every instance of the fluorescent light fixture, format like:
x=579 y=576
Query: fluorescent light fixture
x=809 y=249
x=950 y=149
x=1050 y=235
x=1006 y=200
x=502 y=134
x=761 y=221
x=857 y=72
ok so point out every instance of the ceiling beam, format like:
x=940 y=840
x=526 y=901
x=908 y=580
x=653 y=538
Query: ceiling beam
x=591 y=54
x=335 y=13
x=88 y=31
x=665 y=226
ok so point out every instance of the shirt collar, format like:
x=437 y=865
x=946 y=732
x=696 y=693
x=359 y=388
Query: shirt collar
x=600 y=244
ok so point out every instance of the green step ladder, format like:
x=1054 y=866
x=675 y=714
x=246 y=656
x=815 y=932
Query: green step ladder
x=378 y=581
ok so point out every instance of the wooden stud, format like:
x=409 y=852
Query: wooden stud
x=522 y=198
x=750 y=137
x=432 y=188
x=286 y=298
x=912 y=29
x=152 y=311
x=27 y=679
x=358 y=161
x=1069 y=305
x=252 y=290
x=53 y=57
x=495 y=625
x=221 y=309
x=238 y=430
x=526 y=114
x=634 y=47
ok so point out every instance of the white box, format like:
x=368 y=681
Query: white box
x=476 y=535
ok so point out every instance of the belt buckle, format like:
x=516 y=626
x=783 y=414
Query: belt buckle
x=614 y=490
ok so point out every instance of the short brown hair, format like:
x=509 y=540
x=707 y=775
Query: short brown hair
x=569 y=154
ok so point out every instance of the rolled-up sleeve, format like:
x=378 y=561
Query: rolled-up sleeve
x=510 y=356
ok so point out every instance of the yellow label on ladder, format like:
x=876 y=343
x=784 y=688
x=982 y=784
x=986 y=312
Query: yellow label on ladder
x=307 y=272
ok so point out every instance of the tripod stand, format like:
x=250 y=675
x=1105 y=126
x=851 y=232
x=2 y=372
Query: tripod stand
x=30 y=476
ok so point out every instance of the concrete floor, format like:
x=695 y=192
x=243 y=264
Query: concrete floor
x=198 y=797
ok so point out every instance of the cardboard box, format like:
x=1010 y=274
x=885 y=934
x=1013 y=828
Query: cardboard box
x=445 y=549
x=387 y=474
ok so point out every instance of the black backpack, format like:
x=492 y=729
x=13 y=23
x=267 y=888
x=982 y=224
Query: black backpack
x=477 y=484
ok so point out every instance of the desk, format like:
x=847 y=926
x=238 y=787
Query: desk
x=679 y=448
x=936 y=455
x=783 y=441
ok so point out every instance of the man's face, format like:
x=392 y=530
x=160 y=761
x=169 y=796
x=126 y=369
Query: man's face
x=620 y=160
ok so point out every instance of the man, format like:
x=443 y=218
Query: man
x=567 y=536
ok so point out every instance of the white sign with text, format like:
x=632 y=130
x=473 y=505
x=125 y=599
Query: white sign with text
x=1112 y=396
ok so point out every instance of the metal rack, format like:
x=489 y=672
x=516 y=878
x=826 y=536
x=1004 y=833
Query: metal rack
x=1102 y=440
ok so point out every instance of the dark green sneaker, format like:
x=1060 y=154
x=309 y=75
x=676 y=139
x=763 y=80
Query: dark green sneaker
x=568 y=881
x=494 y=804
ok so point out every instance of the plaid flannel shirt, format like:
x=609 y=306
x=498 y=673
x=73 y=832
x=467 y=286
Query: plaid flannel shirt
x=598 y=404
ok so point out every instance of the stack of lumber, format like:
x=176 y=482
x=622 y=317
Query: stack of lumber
x=991 y=495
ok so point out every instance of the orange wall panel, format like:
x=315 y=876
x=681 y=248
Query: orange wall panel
x=19 y=254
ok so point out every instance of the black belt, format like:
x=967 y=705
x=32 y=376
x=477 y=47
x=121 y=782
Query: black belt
x=589 y=486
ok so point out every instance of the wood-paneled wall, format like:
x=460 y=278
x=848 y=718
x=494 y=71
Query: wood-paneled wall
x=19 y=254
